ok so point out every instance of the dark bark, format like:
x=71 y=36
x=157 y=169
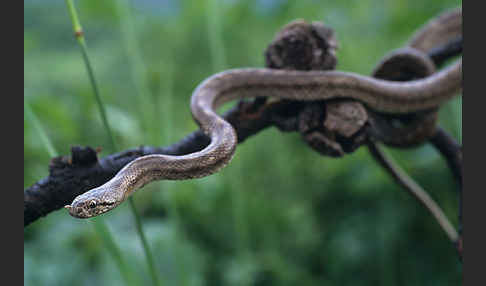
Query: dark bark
x=70 y=176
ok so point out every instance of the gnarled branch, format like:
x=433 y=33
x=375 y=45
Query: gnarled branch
x=72 y=175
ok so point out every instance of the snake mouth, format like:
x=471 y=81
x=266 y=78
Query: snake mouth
x=86 y=210
x=101 y=204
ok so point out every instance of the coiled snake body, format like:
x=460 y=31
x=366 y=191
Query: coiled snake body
x=379 y=95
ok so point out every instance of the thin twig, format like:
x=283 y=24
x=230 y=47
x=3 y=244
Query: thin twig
x=414 y=189
x=452 y=152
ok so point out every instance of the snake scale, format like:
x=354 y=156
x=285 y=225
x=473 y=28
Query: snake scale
x=378 y=95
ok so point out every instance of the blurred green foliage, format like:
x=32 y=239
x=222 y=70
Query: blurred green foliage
x=279 y=214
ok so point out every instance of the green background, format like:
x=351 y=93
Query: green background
x=278 y=214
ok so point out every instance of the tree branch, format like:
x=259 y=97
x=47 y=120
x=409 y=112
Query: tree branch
x=414 y=189
x=451 y=150
x=441 y=140
x=70 y=176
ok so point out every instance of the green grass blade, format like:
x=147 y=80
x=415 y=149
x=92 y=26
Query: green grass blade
x=38 y=127
x=78 y=32
x=98 y=223
x=103 y=231
x=138 y=71
x=99 y=102
x=146 y=248
x=79 y=35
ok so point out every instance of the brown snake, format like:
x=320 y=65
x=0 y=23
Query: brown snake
x=413 y=62
x=379 y=95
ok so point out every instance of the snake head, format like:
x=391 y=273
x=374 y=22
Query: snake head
x=88 y=205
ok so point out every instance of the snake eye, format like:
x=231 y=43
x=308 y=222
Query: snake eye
x=92 y=204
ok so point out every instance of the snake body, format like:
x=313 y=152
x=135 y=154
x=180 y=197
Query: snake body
x=379 y=95
x=414 y=61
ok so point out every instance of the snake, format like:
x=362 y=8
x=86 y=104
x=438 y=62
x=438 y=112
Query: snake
x=377 y=94
x=414 y=61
